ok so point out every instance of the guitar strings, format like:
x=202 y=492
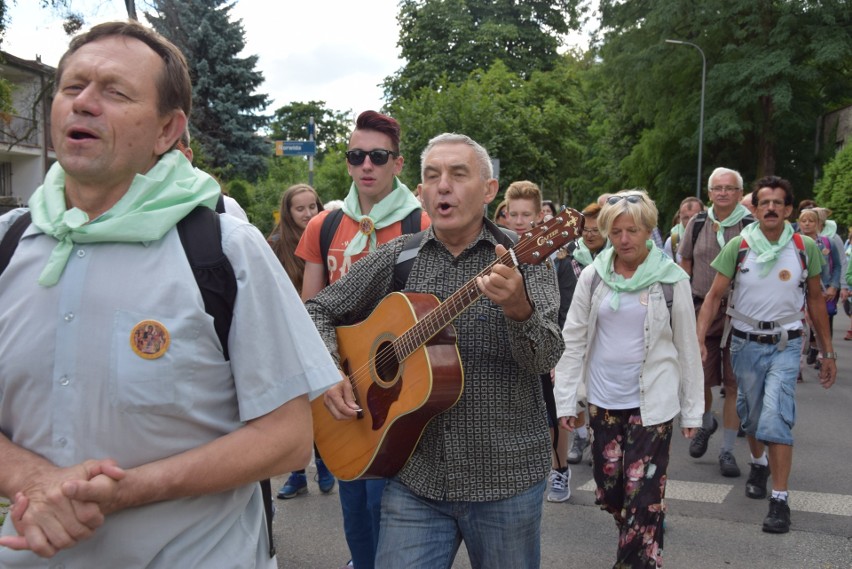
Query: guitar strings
x=412 y=339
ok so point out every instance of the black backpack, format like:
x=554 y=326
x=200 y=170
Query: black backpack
x=201 y=236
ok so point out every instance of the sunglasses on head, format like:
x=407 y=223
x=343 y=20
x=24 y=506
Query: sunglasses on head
x=631 y=198
x=378 y=157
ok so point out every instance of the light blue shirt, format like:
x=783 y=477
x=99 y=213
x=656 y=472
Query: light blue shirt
x=72 y=388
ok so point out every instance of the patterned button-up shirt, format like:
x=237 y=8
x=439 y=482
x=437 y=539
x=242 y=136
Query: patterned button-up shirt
x=494 y=443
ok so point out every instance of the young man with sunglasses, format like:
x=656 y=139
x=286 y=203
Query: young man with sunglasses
x=373 y=212
x=725 y=220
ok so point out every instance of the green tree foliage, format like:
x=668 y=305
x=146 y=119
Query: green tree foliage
x=445 y=40
x=834 y=190
x=773 y=66
x=225 y=108
x=534 y=126
x=290 y=122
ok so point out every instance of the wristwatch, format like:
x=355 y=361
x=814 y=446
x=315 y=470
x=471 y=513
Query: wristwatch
x=829 y=355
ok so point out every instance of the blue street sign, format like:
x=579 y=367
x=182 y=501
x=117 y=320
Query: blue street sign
x=295 y=147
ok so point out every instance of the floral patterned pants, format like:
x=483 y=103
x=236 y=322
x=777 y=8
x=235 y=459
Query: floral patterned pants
x=630 y=463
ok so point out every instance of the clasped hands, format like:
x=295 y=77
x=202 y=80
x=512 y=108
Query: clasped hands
x=59 y=507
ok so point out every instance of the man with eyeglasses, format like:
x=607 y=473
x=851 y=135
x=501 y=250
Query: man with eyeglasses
x=703 y=238
x=773 y=271
x=373 y=214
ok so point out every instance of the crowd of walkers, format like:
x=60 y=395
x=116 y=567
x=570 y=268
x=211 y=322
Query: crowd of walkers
x=160 y=361
x=634 y=365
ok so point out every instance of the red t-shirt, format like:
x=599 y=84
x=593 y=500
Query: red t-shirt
x=337 y=264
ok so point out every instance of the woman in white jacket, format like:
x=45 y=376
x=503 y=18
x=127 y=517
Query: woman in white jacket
x=640 y=361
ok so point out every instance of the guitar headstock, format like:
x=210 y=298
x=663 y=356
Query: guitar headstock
x=540 y=241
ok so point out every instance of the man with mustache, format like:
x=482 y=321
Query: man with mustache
x=772 y=271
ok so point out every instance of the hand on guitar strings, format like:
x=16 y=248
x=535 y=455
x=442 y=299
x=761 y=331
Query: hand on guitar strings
x=340 y=400
x=505 y=287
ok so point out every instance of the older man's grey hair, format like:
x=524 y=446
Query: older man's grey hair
x=485 y=168
x=721 y=171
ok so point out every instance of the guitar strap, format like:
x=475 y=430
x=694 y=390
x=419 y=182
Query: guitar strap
x=413 y=244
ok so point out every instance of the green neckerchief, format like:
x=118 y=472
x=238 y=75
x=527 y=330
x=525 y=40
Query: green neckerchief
x=153 y=204
x=394 y=207
x=582 y=254
x=829 y=229
x=767 y=253
x=678 y=230
x=736 y=216
x=657 y=267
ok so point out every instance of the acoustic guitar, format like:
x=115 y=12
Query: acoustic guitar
x=404 y=366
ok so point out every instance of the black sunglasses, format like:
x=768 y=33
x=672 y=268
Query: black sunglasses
x=378 y=157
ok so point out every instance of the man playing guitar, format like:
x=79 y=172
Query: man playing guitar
x=483 y=462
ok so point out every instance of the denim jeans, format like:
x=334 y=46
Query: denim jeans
x=766 y=397
x=361 y=502
x=426 y=534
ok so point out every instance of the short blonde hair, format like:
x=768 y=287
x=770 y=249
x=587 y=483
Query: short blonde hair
x=643 y=212
x=524 y=190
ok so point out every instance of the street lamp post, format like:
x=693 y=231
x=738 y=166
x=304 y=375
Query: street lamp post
x=701 y=119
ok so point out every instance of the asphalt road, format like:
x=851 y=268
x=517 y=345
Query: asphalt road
x=710 y=522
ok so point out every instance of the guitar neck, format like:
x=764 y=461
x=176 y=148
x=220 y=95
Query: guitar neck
x=532 y=248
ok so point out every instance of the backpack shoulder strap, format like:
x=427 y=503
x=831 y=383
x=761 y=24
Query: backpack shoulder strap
x=505 y=237
x=201 y=236
x=596 y=281
x=697 y=223
x=411 y=222
x=12 y=238
x=327 y=231
x=800 y=249
x=220 y=204
x=668 y=294
x=741 y=255
x=405 y=259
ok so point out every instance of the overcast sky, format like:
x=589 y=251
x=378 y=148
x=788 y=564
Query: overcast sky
x=337 y=51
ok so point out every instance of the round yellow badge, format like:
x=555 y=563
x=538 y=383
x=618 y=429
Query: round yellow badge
x=784 y=275
x=149 y=339
x=366 y=226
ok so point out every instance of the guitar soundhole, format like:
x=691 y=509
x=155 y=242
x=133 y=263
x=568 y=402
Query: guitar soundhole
x=387 y=366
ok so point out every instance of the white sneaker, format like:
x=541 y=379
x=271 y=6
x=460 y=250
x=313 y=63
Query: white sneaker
x=578 y=447
x=560 y=486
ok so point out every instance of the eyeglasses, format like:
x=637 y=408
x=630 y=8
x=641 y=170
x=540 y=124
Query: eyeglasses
x=378 y=157
x=767 y=203
x=725 y=189
x=631 y=198
x=591 y=231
